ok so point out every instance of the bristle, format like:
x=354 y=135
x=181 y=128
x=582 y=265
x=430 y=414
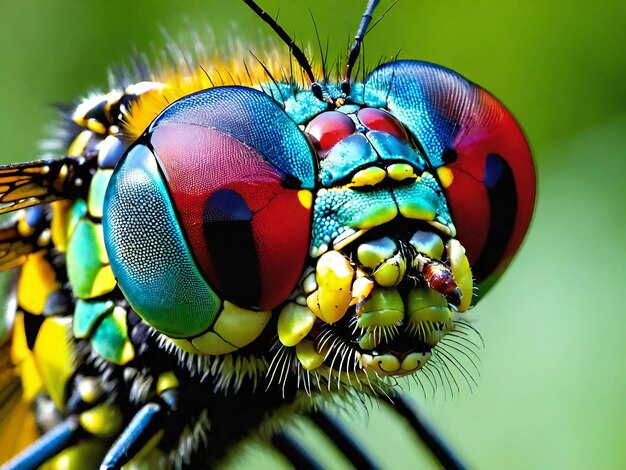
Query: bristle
x=184 y=74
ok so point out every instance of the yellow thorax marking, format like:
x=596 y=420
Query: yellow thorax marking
x=210 y=72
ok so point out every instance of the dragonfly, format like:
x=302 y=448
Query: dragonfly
x=226 y=242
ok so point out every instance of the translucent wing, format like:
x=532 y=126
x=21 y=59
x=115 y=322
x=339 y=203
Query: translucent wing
x=15 y=246
x=32 y=183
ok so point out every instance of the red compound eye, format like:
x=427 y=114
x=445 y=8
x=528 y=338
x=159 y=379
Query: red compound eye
x=379 y=120
x=327 y=129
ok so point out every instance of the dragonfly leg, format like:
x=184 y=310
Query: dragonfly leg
x=429 y=436
x=144 y=425
x=341 y=438
x=57 y=439
x=299 y=457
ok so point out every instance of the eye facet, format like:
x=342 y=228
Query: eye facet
x=220 y=185
x=148 y=251
x=327 y=129
x=378 y=120
x=481 y=155
x=239 y=218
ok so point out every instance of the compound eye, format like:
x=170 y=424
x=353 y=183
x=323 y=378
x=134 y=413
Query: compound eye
x=480 y=154
x=379 y=120
x=327 y=129
x=212 y=204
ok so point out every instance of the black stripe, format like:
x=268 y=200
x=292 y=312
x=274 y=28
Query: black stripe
x=341 y=438
x=502 y=192
x=444 y=454
x=228 y=233
x=297 y=455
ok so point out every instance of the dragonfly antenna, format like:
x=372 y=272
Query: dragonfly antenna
x=282 y=34
x=358 y=40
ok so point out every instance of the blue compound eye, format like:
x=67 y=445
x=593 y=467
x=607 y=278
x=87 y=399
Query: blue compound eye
x=149 y=253
x=478 y=150
x=212 y=204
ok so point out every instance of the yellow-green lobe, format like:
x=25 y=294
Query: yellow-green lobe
x=210 y=343
x=385 y=307
x=308 y=355
x=391 y=272
x=427 y=243
x=461 y=272
x=294 y=323
x=400 y=171
x=373 y=253
x=425 y=304
x=240 y=326
x=103 y=420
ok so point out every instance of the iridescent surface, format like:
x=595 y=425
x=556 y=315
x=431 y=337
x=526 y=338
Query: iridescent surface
x=551 y=392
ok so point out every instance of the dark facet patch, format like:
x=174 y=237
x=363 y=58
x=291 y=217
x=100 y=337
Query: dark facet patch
x=502 y=192
x=226 y=205
x=227 y=225
x=494 y=167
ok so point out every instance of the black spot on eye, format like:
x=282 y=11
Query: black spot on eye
x=502 y=192
x=229 y=237
x=449 y=156
x=226 y=205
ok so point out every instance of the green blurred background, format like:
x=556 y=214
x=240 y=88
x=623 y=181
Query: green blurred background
x=553 y=386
